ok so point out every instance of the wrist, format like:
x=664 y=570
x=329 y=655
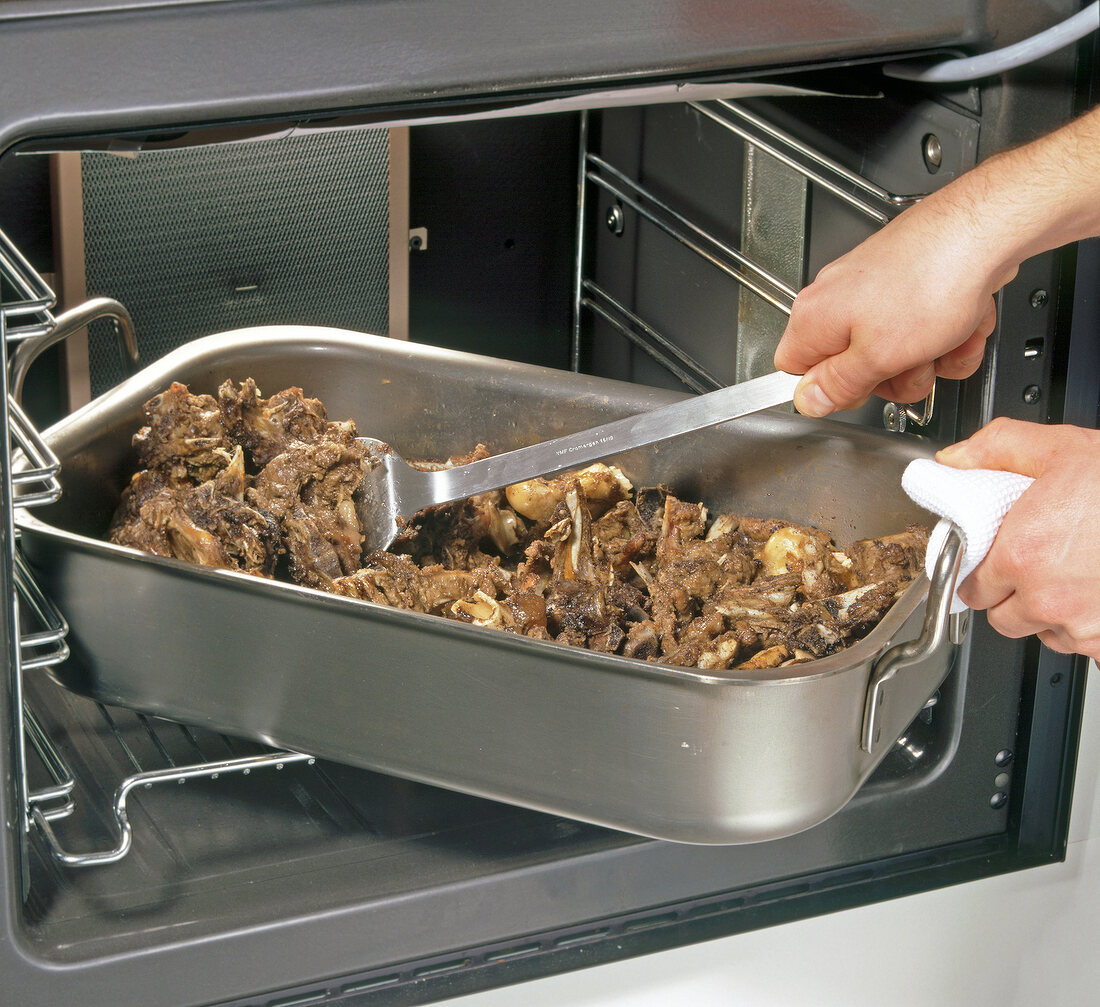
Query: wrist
x=1033 y=198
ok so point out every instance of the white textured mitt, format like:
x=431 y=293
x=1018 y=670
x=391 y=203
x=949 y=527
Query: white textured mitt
x=974 y=499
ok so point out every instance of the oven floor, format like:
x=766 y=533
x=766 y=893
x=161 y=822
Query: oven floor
x=236 y=851
x=373 y=870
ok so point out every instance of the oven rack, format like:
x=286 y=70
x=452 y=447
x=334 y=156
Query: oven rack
x=146 y=745
x=37 y=630
x=876 y=204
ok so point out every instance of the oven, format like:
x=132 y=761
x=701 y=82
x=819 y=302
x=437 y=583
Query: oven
x=609 y=198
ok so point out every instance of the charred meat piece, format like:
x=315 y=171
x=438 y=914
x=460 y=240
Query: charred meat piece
x=397 y=581
x=268 y=427
x=309 y=489
x=209 y=525
x=625 y=537
x=184 y=437
x=143 y=486
x=826 y=626
x=579 y=608
x=389 y=580
x=456 y=533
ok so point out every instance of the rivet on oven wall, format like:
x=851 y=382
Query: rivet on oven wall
x=1032 y=394
x=616 y=219
x=933 y=152
x=1039 y=297
x=1001 y=780
x=418 y=239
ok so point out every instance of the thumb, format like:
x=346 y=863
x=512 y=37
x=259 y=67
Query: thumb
x=838 y=382
x=1004 y=445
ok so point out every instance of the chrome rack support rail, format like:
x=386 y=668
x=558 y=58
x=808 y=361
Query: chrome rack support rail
x=63 y=779
x=876 y=202
x=871 y=200
x=647 y=338
x=29 y=314
x=32 y=482
x=45 y=647
x=35 y=481
x=702 y=242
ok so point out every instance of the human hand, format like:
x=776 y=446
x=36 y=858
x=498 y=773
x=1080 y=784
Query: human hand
x=1042 y=574
x=912 y=302
x=915 y=300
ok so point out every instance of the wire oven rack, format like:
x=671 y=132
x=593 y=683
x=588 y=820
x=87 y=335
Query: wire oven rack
x=38 y=631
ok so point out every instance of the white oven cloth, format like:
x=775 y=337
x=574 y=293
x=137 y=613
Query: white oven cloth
x=974 y=499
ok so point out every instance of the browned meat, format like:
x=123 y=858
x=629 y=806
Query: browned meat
x=268 y=427
x=822 y=627
x=528 y=613
x=386 y=580
x=209 y=524
x=145 y=484
x=309 y=489
x=185 y=437
x=893 y=557
x=580 y=608
x=195 y=501
x=455 y=534
x=625 y=537
x=643 y=641
x=581 y=559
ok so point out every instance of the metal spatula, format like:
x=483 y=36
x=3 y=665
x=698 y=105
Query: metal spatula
x=393 y=490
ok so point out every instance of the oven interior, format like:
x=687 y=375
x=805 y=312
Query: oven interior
x=696 y=224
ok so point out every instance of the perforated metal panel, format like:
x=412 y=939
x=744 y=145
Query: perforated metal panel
x=204 y=239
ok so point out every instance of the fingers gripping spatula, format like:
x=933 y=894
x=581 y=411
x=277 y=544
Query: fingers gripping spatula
x=392 y=490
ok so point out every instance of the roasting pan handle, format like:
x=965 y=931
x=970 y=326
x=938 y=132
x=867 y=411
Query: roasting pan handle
x=937 y=615
x=64 y=325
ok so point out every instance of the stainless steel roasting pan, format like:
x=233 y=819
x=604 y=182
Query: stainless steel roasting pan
x=690 y=756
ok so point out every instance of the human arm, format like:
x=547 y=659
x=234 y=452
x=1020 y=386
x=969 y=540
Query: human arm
x=916 y=299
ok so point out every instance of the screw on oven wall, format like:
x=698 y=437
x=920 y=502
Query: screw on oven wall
x=418 y=239
x=1032 y=394
x=932 y=150
x=1039 y=297
x=893 y=417
x=998 y=800
x=1003 y=757
x=616 y=219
